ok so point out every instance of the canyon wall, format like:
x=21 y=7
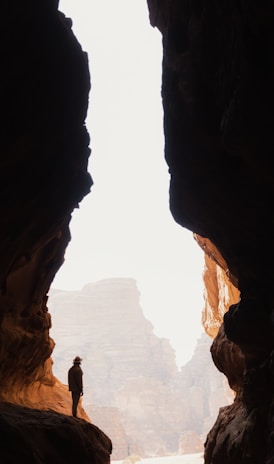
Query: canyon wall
x=45 y=84
x=218 y=121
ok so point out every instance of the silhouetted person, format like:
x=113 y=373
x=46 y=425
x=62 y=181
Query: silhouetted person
x=75 y=383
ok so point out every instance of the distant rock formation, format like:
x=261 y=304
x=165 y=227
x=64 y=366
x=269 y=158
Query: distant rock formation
x=132 y=387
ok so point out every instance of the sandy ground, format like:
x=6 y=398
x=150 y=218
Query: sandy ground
x=183 y=459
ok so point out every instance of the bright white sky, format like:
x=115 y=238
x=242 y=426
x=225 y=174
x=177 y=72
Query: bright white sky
x=124 y=227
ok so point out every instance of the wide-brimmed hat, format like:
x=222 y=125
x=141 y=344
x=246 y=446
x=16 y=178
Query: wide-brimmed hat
x=77 y=360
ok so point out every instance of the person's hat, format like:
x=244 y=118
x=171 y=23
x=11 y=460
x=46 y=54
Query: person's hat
x=77 y=360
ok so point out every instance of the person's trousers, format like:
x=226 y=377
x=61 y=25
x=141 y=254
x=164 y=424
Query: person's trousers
x=75 y=400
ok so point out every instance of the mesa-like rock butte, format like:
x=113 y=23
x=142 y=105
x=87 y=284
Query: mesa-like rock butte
x=218 y=95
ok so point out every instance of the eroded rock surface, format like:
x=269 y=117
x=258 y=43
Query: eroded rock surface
x=218 y=100
x=45 y=86
x=43 y=176
x=35 y=436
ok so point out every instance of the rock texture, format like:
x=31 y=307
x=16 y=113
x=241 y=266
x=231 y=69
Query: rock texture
x=132 y=387
x=220 y=291
x=45 y=86
x=35 y=436
x=218 y=120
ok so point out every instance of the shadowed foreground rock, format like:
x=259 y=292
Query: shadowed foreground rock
x=33 y=436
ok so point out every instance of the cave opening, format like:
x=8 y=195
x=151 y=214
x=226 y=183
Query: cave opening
x=217 y=115
x=125 y=244
x=123 y=227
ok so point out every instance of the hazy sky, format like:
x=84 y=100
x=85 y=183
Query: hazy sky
x=124 y=228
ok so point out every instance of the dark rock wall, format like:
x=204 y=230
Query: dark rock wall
x=43 y=175
x=218 y=96
x=39 y=437
x=44 y=153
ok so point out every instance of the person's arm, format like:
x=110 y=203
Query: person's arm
x=81 y=393
x=80 y=381
x=69 y=379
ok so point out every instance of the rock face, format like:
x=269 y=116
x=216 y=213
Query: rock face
x=45 y=85
x=218 y=121
x=132 y=387
x=35 y=436
x=45 y=140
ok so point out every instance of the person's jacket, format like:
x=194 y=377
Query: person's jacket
x=75 y=379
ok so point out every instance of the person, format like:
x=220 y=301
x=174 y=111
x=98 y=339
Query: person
x=75 y=383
